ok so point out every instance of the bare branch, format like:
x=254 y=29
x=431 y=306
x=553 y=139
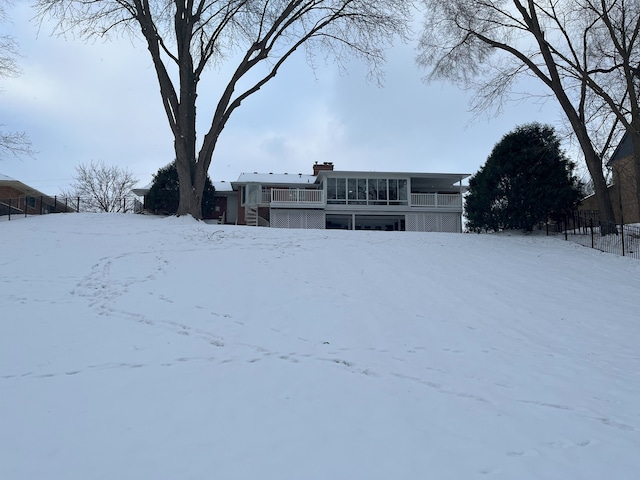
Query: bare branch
x=184 y=37
x=102 y=188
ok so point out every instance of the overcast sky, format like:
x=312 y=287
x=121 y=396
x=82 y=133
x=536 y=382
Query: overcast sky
x=80 y=102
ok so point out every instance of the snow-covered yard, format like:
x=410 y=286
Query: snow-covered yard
x=135 y=347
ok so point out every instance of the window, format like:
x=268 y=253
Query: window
x=393 y=190
x=352 y=184
x=373 y=189
x=366 y=191
x=362 y=190
x=357 y=191
x=341 y=188
x=331 y=190
x=402 y=191
x=382 y=189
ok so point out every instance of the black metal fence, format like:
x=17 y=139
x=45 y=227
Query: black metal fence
x=586 y=228
x=24 y=206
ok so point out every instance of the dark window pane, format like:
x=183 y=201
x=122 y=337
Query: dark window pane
x=382 y=189
x=393 y=189
x=402 y=190
x=331 y=189
x=373 y=189
x=341 y=188
x=353 y=194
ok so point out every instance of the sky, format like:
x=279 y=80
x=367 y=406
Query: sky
x=99 y=101
x=277 y=354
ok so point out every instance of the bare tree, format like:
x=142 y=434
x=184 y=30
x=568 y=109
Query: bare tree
x=102 y=188
x=184 y=37
x=611 y=68
x=487 y=45
x=11 y=143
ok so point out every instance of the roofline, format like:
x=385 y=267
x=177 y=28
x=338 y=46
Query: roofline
x=461 y=176
x=614 y=156
x=26 y=189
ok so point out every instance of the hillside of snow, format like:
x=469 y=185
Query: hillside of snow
x=136 y=347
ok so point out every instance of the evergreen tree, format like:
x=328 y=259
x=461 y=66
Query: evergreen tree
x=526 y=179
x=164 y=196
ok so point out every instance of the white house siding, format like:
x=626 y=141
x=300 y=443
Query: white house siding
x=433 y=222
x=295 y=218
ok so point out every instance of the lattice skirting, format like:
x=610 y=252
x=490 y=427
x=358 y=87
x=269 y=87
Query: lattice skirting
x=283 y=218
x=433 y=222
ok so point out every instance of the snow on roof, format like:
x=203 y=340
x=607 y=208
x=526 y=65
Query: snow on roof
x=222 y=186
x=6 y=178
x=275 y=178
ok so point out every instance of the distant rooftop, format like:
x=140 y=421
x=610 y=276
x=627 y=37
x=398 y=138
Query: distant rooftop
x=222 y=186
x=276 y=178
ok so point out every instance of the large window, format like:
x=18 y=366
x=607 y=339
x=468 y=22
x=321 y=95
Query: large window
x=367 y=191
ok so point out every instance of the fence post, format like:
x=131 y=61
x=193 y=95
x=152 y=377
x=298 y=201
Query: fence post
x=622 y=237
x=78 y=206
x=9 y=210
x=591 y=229
x=55 y=204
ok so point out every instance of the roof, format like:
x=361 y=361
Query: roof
x=427 y=180
x=623 y=150
x=276 y=178
x=141 y=191
x=432 y=180
x=222 y=186
x=23 y=187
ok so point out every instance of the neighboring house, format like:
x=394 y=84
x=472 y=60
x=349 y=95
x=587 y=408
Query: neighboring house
x=226 y=207
x=622 y=191
x=17 y=198
x=226 y=201
x=350 y=200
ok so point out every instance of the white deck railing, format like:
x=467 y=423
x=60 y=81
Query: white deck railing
x=436 y=200
x=299 y=196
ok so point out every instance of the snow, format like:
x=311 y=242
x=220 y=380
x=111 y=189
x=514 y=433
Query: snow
x=222 y=186
x=276 y=178
x=137 y=347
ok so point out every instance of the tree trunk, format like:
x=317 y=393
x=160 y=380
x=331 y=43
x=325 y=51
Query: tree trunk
x=190 y=199
x=576 y=117
x=190 y=178
x=594 y=165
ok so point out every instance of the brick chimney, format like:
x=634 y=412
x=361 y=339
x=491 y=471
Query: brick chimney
x=318 y=167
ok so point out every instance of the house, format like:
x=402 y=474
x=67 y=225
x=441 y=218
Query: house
x=622 y=190
x=226 y=201
x=17 y=198
x=349 y=200
x=352 y=200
